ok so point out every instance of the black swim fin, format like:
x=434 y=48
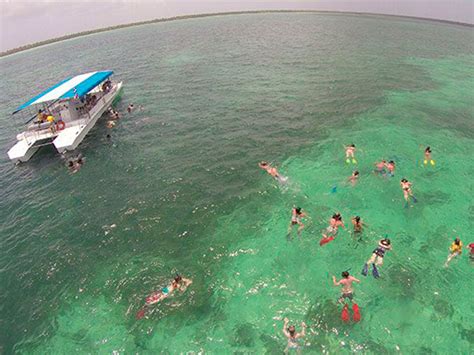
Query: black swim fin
x=375 y=272
x=365 y=270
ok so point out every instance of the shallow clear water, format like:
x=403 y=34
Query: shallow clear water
x=180 y=181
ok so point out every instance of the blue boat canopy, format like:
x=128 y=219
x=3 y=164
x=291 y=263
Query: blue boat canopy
x=76 y=86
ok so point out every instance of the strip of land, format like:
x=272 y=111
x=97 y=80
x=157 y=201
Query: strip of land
x=186 y=17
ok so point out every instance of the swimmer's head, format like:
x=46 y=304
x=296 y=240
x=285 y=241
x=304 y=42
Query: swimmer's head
x=428 y=149
x=291 y=330
x=345 y=274
x=391 y=162
x=264 y=163
x=386 y=241
x=355 y=173
x=457 y=241
x=384 y=161
x=298 y=210
x=357 y=219
x=353 y=145
x=178 y=278
x=404 y=180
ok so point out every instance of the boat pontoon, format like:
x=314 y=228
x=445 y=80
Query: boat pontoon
x=67 y=112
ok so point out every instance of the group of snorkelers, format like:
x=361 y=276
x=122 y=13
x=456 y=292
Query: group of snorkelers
x=384 y=168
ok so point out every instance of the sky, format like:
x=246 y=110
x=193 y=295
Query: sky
x=25 y=22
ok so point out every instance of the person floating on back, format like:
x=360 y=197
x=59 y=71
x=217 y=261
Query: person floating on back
x=293 y=336
x=296 y=215
x=178 y=283
x=377 y=258
x=334 y=223
x=350 y=154
x=454 y=250
x=347 y=292
x=407 y=193
x=428 y=157
x=272 y=171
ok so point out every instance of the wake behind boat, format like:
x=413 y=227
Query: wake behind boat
x=68 y=110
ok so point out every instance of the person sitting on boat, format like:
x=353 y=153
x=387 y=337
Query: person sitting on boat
x=41 y=116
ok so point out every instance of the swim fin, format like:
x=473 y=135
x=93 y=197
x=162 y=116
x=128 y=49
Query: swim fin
x=326 y=240
x=345 y=313
x=433 y=163
x=348 y=160
x=414 y=199
x=354 y=161
x=356 y=314
x=425 y=162
x=365 y=270
x=334 y=189
x=375 y=272
x=140 y=313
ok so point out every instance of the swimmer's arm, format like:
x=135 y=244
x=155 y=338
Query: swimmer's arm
x=285 y=326
x=356 y=280
x=303 y=332
x=336 y=283
x=187 y=282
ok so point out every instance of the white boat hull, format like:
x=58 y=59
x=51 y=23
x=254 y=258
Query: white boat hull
x=67 y=139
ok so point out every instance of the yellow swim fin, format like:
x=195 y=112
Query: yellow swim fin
x=433 y=162
x=425 y=162
x=348 y=160
x=354 y=161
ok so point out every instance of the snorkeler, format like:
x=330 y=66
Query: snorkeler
x=178 y=283
x=354 y=177
x=347 y=292
x=391 y=168
x=293 y=336
x=377 y=257
x=428 y=157
x=406 y=187
x=130 y=108
x=380 y=167
x=272 y=171
x=296 y=215
x=334 y=223
x=455 y=250
x=350 y=152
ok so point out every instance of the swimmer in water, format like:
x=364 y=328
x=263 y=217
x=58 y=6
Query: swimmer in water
x=354 y=177
x=380 y=167
x=407 y=193
x=292 y=336
x=272 y=171
x=296 y=215
x=178 y=283
x=471 y=251
x=391 y=168
x=350 y=154
x=130 y=108
x=75 y=164
x=358 y=224
x=347 y=292
x=428 y=157
x=377 y=257
x=334 y=223
x=454 y=250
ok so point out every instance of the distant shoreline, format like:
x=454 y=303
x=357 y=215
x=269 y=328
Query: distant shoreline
x=187 y=17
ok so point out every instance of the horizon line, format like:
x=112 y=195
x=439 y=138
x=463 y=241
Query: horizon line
x=212 y=14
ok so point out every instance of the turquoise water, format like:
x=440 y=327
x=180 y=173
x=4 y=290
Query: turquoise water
x=177 y=189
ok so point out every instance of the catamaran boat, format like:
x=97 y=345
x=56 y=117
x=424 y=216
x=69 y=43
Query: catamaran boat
x=67 y=112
